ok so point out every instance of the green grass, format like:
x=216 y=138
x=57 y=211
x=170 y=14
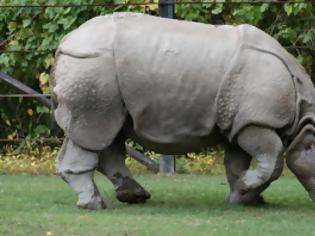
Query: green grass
x=180 y=205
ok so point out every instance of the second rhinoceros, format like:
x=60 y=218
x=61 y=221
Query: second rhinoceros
x=176 y=86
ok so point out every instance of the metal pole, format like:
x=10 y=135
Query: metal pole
x=144 y=160
x=167 y=162
x=167 y=8
x=25 y=89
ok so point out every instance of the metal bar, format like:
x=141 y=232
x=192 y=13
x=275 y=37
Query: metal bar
x=166 y=8
x=43 y=99
x=48 y=51
x=152 y=3
x=243 y=2
x=23 y=88
x=23 y=95
x=28 y=51
x=299 y=47
x=167 y=164
x=16 y=140
x=138 y=156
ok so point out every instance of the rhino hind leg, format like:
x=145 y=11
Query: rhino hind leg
x=265 y=146
x=112 y=165
x=76 y=167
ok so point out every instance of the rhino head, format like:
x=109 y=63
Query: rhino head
x=301 y=158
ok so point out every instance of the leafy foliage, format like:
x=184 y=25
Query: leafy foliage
x=36 y=162
x=36 y=158
x=292 y=24
x=38 y=30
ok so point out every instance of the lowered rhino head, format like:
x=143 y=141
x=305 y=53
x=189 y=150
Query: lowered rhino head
x=301 y=152
x=301 y=158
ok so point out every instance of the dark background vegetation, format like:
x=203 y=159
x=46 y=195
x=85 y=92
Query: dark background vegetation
x=30 y=35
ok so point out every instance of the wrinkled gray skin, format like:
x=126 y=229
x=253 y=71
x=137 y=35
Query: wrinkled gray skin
x=174 y=87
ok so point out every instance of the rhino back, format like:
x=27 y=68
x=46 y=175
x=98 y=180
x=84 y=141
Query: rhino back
x=169 y=73
x=92 y=39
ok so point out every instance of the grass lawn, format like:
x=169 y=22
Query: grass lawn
x=180 y=205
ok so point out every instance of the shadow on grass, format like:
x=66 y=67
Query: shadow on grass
x=189 y=203
x=180 y=194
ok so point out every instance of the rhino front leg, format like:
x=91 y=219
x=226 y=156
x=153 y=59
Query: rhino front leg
x=112 y=165
x=265 y=146
x=236 y=162
x=76 y=166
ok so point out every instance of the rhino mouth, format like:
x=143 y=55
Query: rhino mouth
x=309 y=185
x=304 y=169
x=312 y=191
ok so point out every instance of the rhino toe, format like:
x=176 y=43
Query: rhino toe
x=95 y=203
x=246 y=199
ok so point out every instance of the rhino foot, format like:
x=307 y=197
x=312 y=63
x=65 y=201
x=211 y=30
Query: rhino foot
x=246 y=199
x=255 y=201
x=95 y=203
x=131 y=192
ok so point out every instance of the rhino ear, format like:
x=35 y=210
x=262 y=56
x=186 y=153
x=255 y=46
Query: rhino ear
x=304 y=140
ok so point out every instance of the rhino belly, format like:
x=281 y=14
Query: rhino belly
x=179 y=146
x=163 y=111
x=166 y=118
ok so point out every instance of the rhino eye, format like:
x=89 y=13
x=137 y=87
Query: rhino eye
x=308 y=147
x=309 y=142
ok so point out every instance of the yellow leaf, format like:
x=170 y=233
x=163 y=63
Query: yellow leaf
x=48 y=233
x=10 y=137
x=43 y=78
x=49 y=61
x=13 y=42
x=8 y=122
x=29 y=112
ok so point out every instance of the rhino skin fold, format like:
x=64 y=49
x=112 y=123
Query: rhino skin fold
x=175 y=87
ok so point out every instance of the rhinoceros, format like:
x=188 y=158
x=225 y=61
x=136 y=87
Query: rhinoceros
x=174 y=87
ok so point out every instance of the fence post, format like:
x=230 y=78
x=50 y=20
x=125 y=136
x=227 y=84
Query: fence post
x=166 y=8
x=167 y=162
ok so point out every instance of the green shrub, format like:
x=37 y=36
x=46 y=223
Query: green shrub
x=39 y=30
x=207 y=162
x=35 y=162
x=37 y=159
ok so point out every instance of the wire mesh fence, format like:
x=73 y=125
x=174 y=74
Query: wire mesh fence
x=118 y=3
x=152 y=2
x=23 y=95
x=53 y=50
